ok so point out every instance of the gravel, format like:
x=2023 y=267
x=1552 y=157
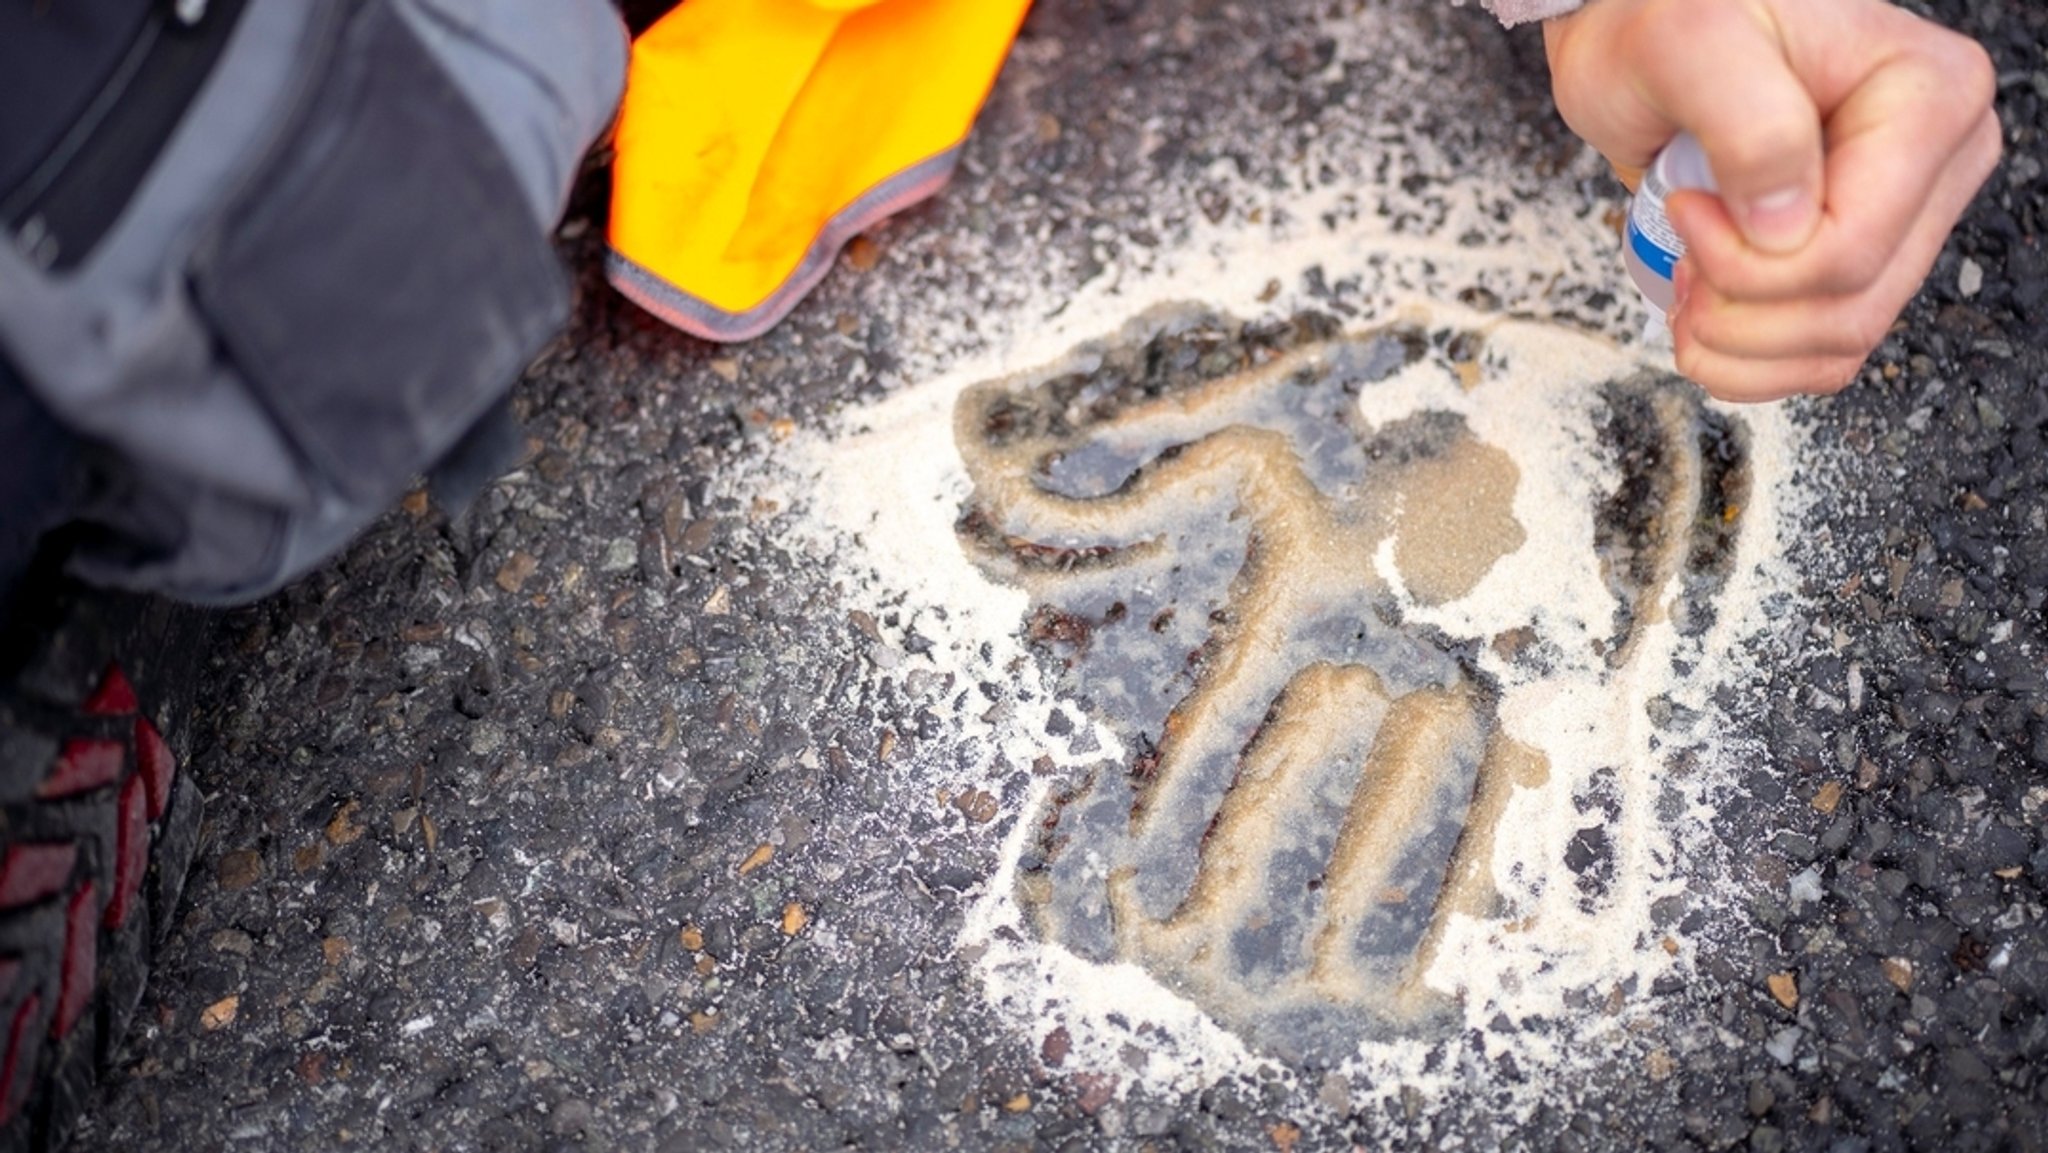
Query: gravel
x=509 y=810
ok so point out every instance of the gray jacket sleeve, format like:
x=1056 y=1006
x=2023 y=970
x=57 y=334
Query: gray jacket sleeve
x=1513 y=12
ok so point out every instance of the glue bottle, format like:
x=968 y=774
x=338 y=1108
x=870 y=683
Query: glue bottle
x=1652 y=247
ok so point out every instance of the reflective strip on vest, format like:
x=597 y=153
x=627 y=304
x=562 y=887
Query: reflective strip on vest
x=759 y=136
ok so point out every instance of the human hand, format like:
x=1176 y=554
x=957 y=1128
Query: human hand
x=1847 y=137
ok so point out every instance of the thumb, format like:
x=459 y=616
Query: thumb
x=1725 y=77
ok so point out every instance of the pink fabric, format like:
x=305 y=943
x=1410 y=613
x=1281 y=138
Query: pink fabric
x=1513 y=12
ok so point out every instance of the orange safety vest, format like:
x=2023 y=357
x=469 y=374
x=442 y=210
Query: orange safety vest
x=759 y=136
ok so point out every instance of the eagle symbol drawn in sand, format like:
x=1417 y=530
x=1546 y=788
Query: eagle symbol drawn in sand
x=1218 y=548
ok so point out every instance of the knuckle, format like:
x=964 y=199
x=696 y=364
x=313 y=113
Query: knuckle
x=1957 y=73
x=1659 y=27
x=1970 y=73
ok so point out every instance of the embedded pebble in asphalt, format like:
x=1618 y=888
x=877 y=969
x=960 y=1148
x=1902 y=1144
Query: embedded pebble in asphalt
x=613 y=815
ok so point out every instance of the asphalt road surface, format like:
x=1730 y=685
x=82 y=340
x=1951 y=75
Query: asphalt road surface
x=617 y=813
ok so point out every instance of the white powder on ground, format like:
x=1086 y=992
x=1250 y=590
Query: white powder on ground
x=877 y=499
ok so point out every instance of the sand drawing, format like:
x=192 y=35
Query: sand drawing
x=1224 y=558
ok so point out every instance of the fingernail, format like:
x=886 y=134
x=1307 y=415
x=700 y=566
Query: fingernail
x=1681 y=286
x=1779 y=221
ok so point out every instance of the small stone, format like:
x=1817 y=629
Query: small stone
x=334 y=950
x=1899 y=971
x=342 y=828
x=1284 y=1135
x=865 y=623
x=1057 y=1044
x=622 y=554
x=423 y=632
x=570 y=1118
x=1829 y=796
x=702 y=1022
x=762 y=854
x=1018 y=1104
x=719 y=603
x=525 y=949
x=486 y=738
x=1950 y=595
x=220 y=1014
x=415 y=503
x=1760 y=1099
x=887 y=746
x=794 y=919
x=1097 y=1089
x=513 y=574
x=691 y=937
x=1334 y=1093
x=1784 y=989
x=977 y=805
x=727 y=369
x=233 y=941
x=1784 y=1044
x=862 y=254
x=239 y=870
x=699 y=536
x=1970 y=281
x=1660 y=1065
x=309 y=857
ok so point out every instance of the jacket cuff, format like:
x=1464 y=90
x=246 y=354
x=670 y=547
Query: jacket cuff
x=1513 y=12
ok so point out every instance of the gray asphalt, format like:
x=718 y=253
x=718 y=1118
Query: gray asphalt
x=560 y=824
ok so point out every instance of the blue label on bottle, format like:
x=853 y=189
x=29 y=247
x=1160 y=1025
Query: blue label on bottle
x=1656 y=257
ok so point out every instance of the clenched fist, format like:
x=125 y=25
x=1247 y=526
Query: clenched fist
x=1847 y=137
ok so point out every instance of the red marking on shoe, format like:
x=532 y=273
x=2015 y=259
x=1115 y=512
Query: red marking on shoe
x=17 y=1035
x=155 y=764
x=131 y=852
x=86 y=763
x=114 y=698
x=81 y=954
x=32 y=872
